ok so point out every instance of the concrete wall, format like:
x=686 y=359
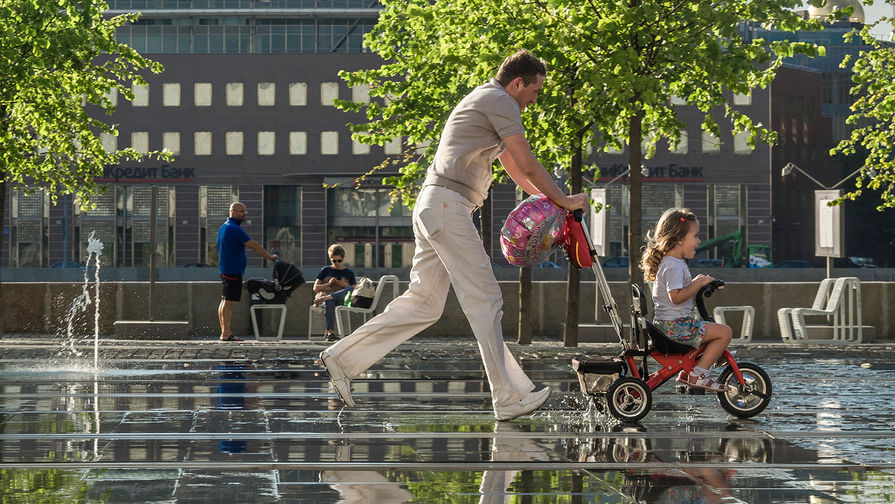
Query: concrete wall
x=43 y=308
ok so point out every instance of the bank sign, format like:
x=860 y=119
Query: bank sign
x=167 y=174
x=671 y=171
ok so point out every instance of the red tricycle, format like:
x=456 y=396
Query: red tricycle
x=626 y=382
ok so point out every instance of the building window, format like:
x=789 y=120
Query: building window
x=329 y=92
x=741 y=143
x=112 y=96
x=109 y=141
x=171 y=142
x=827 y=87
x=374 y=232
x=341 y=35
x=140 y=141
x=267 y=92
x=214 y=209
x=29 y=229
x=141 y=96
x=329 y=143
x=726 y=206
x=171 y=94
x=233 y=142
x=202 y=143
x=612 y=149
x=121 y=221
x=845 y=88
x=282 y=216
x=682 y=146
x=298 y=94
x=742 y=99
x=228 y=35
x=202 y=94
x=645 y=142
x=243 y=35
x=359 y=148
x=234 y=94
x=393 y=147
x=133 y=243
x=298 y=143
x=360 y=93
x=677 y=100
x=266 y=143
x=656 y=199
x=710 y=143
x=101 y=222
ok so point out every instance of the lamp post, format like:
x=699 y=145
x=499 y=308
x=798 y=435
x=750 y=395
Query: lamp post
x=825 y=232
x=789 y=167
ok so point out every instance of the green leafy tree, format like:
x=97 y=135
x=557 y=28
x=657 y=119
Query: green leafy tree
x=59 y=64
x=872 y=116
x=612 y=69
x=646 y=51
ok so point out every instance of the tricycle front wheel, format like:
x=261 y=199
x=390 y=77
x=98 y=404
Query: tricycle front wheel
x=750 y=398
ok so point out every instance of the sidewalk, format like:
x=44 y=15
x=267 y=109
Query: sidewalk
x=207 y=421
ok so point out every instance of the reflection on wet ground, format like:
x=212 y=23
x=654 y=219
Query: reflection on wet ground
x=203 y=422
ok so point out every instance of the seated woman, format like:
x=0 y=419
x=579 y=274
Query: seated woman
x=333 y=284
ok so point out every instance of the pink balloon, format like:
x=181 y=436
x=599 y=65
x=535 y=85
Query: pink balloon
x=532 y=230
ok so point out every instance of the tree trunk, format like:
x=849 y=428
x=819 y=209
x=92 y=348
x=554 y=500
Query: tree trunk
x=2 y=224
x=3 y=120
x=570 y=333
x=635 y=187
x=524 y=337
x=485 y=228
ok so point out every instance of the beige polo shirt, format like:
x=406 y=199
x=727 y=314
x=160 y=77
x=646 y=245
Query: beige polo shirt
x=472 y=139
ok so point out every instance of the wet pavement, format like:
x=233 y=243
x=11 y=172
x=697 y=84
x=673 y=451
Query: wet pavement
x=209 y=422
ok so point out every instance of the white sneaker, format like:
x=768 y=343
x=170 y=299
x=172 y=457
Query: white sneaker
x=526 y=405
x=338 y=379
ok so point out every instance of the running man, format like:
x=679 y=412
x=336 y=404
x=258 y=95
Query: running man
x=485 y=125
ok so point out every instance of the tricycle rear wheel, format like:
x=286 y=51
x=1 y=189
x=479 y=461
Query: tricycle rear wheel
x=629 y=399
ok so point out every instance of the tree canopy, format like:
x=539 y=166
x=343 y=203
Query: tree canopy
x=613 y=67
x=59 y=65
x=873 y=116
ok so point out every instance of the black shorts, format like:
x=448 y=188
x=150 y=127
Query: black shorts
x=232 y=287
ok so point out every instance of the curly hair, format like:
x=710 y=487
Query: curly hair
x=672 y=227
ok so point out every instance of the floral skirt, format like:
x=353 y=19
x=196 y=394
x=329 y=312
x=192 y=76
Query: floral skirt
x=686 y=330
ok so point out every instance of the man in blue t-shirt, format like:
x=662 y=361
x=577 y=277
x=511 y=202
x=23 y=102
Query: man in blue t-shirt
x=232 y=243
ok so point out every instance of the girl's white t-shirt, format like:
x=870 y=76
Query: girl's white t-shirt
x=673 y=274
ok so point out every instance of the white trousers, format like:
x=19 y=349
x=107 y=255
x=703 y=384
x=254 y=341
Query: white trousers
x=449 y=251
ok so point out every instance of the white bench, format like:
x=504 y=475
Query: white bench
x=839 y=298
x=745 y=327
x=279 y=336
x=343 y=313
x=316 y=313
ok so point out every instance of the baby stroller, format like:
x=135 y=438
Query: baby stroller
x=626 y=382
x=286 y=279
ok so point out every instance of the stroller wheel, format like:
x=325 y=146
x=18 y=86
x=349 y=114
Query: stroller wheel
x=749 y=399
x=629 y=399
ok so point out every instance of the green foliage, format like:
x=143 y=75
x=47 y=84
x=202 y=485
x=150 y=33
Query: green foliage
x=607 y=62
x=872 y=117
x=55 y=57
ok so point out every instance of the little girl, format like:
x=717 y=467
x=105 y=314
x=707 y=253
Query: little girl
x=675 y=238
